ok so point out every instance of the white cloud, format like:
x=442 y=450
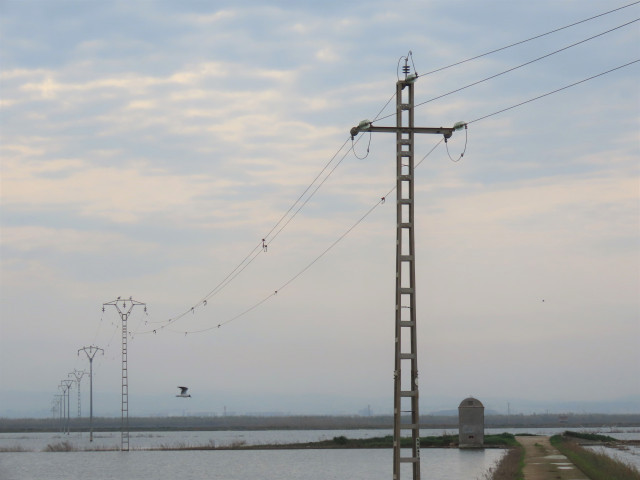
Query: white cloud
x=64 y=240
x=208 y=19
x=177 y=136
x=327 y=54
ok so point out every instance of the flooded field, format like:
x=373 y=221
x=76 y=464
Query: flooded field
x=29 y=461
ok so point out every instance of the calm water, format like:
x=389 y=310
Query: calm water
x=630 y=455
x=445 y=464
x=140 y=463
x=145 y=440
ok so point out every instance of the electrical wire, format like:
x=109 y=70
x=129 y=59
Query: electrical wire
x=464 y=150
x=354 y=150
x=252 y=254
x=302 y=271
x=268 y=238
x=551 y=92
x=519 y=66
x=528 y=39
x=382 y=201
x=241 y=267
x=309 y=198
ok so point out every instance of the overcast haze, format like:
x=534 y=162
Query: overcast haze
x=149 y=147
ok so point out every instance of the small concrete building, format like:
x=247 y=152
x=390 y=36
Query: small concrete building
x=471 y=423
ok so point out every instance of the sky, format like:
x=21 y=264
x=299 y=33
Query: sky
x=147 y=148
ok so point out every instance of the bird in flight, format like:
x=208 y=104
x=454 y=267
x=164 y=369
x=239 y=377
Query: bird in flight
x=183 y=392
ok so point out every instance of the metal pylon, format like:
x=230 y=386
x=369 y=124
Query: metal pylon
x=124 y=308
x=405 y=396
x=78 y=374
x=406 y=415
x=91 y=351
x=124 y=431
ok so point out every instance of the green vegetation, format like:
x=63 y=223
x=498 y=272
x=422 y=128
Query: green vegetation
x=501 y=440
x=509 y=467
x=597 y=466
x=443 y=441
x=590 y=436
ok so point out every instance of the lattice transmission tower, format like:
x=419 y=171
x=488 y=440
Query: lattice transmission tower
x=78 y=374
x=90 y=351
x=406 y=414
x=124 y=308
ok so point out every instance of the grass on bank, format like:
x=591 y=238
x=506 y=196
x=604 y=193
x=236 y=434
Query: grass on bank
x=596 y=465
x=510 y=466
x=442 y=441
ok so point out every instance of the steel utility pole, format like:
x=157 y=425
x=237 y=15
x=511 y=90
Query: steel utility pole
x=63 y=410
x=91 y=352
x=60 y=400
x=405 y=375
x=66 y=384
x=78 y=374
x=124 y=310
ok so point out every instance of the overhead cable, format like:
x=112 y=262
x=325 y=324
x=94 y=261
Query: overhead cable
x=518 y=66
x=529 y=39
x=382 y=201
x=299 y=273
x=552 y=92
x=279 y=225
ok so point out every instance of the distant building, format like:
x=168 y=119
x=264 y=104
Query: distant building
x=471 y=423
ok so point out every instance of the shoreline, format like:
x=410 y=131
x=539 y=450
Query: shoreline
x=603 y=422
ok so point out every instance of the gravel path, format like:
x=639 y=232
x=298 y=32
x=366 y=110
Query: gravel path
x=543 y=462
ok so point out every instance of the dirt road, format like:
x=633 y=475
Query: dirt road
x=543 y=462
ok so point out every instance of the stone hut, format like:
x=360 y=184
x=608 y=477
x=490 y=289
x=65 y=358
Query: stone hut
x=471 y=423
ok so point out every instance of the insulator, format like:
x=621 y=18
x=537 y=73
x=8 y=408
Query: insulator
x=406 y=69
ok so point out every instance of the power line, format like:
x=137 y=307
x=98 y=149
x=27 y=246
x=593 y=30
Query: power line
x=528 y=39
x=552 y=92
x=520 y=66
x=269 y=238
x=303 y=270
x=377 y=117
x=288 y=216
x=380 y=202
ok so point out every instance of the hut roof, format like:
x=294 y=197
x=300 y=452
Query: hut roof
x=471 y=402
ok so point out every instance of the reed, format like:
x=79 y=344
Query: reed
x=596 y=465
x=60 y=447
x=15 y=448
x=509 y=467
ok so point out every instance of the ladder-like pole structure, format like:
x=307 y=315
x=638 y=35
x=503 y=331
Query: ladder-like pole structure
x=66 y=384
x=90 y=351
x=406 y=415
x=78 y=374
x=124 y=308
x=60 y=400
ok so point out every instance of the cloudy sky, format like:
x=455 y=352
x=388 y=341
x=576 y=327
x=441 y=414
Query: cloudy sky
x=148 y=147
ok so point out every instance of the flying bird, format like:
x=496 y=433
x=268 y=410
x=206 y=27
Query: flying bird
x=183 y=392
